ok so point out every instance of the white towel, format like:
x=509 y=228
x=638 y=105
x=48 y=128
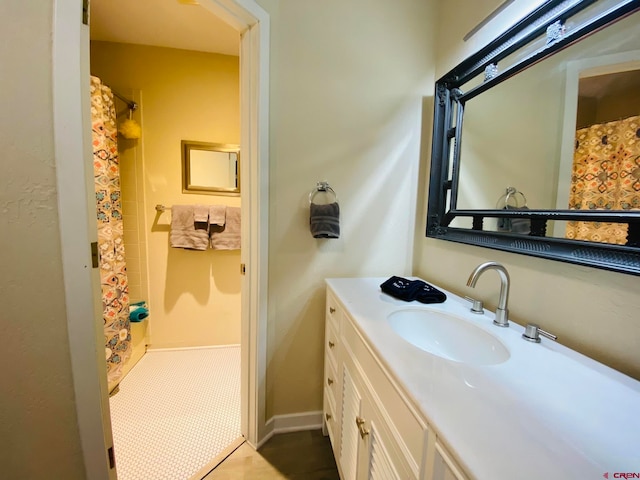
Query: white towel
x=228 y=236
x=184 y=231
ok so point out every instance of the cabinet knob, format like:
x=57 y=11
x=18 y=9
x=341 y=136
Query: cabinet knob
x=327 y=416
x=331 y=344
x=363 y=431
x=332 y=310
x=329 y=381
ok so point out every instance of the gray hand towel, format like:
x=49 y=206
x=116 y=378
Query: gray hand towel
x=324 y=220
x=185 y=231
x=200 y=213
x=227 y=237
x=514 y=225
x=217 y=214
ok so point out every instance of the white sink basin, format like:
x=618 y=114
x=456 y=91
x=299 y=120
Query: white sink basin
x=448 y=336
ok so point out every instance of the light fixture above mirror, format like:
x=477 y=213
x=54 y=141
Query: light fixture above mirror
x=503 y=118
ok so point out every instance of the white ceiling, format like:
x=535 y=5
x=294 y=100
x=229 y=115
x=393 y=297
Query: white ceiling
x=162 y=23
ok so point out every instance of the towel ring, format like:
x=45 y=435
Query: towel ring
x=322 y=187
x=511 y=192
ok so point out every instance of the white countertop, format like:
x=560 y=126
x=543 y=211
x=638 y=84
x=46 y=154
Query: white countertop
x=548 y=412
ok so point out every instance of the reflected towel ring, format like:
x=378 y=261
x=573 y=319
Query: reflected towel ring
x=511 y=192
x=322 y=187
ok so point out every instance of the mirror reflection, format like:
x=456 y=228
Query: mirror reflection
x=210 y=168
x=516 y=166
x=564 y=133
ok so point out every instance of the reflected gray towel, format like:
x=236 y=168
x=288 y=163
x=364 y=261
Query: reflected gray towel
x=227 y=237
x=514 y=225
x=324 y=220
x=185 y=232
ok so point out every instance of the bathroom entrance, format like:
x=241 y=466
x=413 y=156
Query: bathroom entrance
x=174 y=221
x=73 y=161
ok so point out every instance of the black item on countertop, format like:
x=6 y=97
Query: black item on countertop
x=410 y=290
x=430 y=294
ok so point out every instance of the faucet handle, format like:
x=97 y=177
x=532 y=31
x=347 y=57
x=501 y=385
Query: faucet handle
x=476 y=305
x=532 y=333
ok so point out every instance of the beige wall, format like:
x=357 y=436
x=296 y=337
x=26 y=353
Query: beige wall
x=608 y=108
x=348 y=81
x=38 y=425
x=194 y=297
x=347 y=87
x=592 y=311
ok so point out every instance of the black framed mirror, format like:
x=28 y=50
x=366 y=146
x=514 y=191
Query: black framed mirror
x=529 y=154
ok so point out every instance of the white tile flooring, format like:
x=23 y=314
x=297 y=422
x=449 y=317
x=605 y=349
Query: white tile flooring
x=175 y=412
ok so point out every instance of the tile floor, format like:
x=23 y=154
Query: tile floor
x=175 y=412
x=296 y=456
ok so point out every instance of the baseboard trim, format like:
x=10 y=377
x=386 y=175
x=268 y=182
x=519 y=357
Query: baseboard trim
x=294 y=422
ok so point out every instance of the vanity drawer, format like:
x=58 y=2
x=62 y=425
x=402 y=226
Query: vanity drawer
x=331 y=382
x=405 y=425
x=444 y=466
x=330 y=419
x=333 y=311
x=331 y=344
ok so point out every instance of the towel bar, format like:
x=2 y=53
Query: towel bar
x=510 y=193
x=160 y=208
x=322 y=187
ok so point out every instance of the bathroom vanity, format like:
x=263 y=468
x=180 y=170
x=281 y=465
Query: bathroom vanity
x=435 y=392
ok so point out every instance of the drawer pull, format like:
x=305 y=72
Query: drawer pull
x=331 y=344
x=363 y=431
x=329 y=381
x=327 y=416
x=332 y=310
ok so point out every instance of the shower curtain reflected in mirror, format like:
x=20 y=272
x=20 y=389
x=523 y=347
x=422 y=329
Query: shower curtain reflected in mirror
x=113 y=272
x=605 y=176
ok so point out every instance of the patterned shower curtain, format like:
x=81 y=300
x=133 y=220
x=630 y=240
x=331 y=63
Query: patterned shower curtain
x=606 y=176
x=113 y=271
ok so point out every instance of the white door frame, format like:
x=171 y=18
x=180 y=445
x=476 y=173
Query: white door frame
x=73 y=161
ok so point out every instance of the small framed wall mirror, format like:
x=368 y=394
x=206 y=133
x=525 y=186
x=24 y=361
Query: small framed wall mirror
x=210 y=168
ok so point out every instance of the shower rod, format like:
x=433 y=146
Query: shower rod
x=130 y=103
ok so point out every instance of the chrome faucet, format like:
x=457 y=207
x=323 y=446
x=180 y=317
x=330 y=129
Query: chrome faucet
x=502 y=313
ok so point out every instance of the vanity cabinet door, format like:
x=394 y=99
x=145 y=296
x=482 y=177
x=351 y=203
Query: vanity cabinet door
x=366 y=452
x=350 y=444
x=375 y=433
x=369 y=450
x=379 y=463
x=380 y=458
x=444 y=466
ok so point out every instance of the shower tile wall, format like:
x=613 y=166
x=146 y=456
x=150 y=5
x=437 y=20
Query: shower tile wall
x=132 y=187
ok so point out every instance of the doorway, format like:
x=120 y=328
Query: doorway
x=72 y=137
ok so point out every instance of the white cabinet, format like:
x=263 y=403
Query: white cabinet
x=375 y=430
x=444 y=467
x=349 y=441
x=366 y=452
